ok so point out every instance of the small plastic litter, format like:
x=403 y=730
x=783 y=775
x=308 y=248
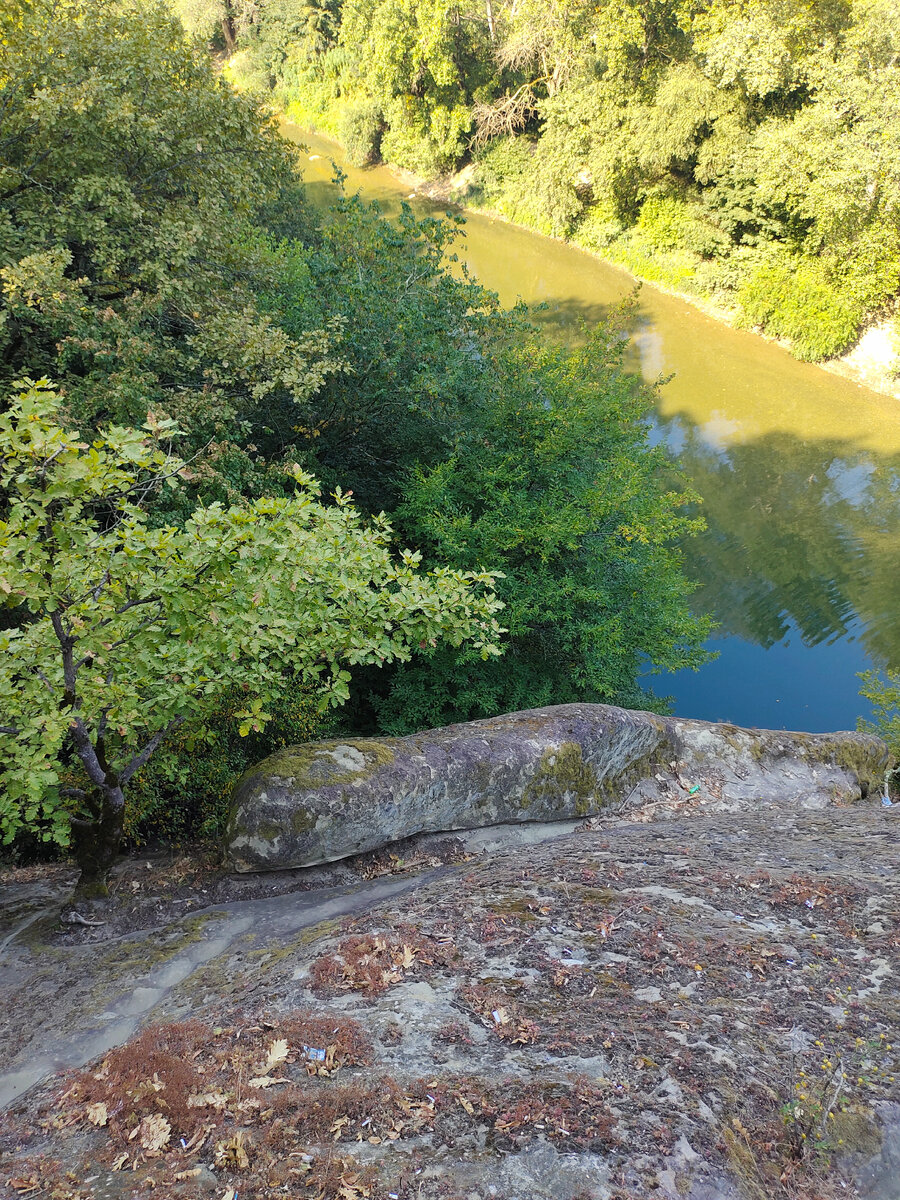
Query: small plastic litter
x=886 y=801
x=313 y=1053
x=694 y=789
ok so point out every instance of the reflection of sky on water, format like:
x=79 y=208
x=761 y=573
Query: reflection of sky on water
x=788 y=686
x=851 y=481
x=799 y=565
x=651 y=349
x=719 y=431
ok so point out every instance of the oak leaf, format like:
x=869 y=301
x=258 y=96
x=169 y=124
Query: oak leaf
x=155 y=1132
x=97 y=1114
x=207 y=1100
x=233 y=1153
x=278 y=1052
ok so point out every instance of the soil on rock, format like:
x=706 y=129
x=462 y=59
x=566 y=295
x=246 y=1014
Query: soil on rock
x=702 y=1006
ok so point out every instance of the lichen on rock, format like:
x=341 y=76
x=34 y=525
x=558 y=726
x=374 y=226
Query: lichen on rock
x=328 y=800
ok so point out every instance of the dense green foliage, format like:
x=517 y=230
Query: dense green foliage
x=131 y=263
x=883 y=692
x=159 y=264
x=184 y=791
x=555 y=487
x=132 y=630
x=748 y=150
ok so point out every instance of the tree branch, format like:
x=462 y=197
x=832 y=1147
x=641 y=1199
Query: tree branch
x=140 y=759
x=86 y=752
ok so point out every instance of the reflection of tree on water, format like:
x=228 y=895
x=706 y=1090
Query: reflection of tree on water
x=802 y=531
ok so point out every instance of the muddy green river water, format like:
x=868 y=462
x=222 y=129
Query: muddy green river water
x=799 y=471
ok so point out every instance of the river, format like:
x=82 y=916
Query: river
x=799 y=471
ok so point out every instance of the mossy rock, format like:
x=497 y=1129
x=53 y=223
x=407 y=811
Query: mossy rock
x=327 y=800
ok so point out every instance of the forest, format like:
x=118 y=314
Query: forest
x=225 y=416
x=746 y=151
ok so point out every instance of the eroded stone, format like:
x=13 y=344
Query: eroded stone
x=323 y=801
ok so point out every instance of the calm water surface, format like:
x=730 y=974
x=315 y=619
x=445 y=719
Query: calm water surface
x=799 y=473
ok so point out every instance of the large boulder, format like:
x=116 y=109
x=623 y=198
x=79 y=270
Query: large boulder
x=326 y=800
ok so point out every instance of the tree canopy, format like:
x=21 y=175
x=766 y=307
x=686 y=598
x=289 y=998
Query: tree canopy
x=131 y=629
x=748 y=150
x=131 y=258
x=160 y=264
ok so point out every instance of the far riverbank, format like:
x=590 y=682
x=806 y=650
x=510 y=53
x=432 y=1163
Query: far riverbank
x=871 y=363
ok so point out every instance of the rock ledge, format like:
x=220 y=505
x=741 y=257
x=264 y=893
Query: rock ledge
x=322 y=801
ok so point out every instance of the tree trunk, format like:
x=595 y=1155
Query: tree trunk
x=96 y=844
x=229 y=30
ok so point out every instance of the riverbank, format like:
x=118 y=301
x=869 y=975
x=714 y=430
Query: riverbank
x=872 y=362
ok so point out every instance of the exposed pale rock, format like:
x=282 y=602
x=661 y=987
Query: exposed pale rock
x=326 y=800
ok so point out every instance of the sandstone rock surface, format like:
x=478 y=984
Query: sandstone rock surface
x=323 y=801
x=698 y=1006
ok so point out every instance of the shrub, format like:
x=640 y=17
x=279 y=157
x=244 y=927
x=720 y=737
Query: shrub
x=502 y=165
x=883 y=693
x=528 y=187
x=663 y=222
x=428 y=141
x=794 y=298
x=668 y=223
x=185 y=793
x=360 y=127
x=599 y=226
x=894 y=368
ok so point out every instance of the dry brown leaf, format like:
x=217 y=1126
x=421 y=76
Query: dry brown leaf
x=233 y=1153
x=278 y=1052
x=207 y=1100
x=466 y=1105
x=97 y=1114
x=351 y=1189
x=180 y=1175
x=199 y=1139
x=338 y=1125
x=264 y=1081
x=120 y=1162
x=155 y=1132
